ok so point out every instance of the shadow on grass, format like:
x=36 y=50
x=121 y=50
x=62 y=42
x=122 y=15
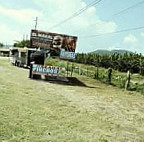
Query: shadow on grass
x=69 y=81
x=72 y=81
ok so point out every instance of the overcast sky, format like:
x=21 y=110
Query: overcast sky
x=17 y=19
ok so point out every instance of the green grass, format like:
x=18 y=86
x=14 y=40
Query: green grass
x=39 y=111
x=118 y=78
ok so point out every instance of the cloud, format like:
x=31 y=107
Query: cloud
x=8 y=34
x=142 y=34
x=104 y=27
x=130 y=39
x=57 y=11
x=114 y=47
x=91 y=9
x=50 y=13
x=22 y=15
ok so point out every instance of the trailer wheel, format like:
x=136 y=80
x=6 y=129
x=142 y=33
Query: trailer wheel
x=15 y=63
x=18 y=64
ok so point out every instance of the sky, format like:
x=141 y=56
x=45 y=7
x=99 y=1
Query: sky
x=17 y=19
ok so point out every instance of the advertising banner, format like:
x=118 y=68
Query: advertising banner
x=45 y=70
x=54 y=42
x=67 y=55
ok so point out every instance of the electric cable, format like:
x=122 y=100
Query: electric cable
x=76 y=13
x=120 y=31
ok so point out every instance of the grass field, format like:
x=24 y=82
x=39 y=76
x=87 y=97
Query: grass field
x=40 y=111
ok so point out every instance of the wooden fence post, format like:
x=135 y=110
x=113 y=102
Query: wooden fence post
x=96 y=75
x=127 y=81
x=67 y=68
x=81 y=72
x=87 y=71
x=78 y=70
x=109 y=75
x=30 y=71
x=72 y=69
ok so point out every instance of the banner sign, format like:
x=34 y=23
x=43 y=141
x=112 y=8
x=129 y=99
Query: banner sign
x=45 y=70
x=53 y=41
x=67 y=55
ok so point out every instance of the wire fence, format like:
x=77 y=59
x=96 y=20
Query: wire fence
x=128 y=81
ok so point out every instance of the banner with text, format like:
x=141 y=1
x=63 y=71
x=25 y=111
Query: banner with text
x=53 y=41
x=45 y=70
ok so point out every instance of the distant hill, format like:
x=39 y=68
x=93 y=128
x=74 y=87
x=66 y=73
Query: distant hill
x=109 y=52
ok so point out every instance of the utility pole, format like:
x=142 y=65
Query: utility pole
x=26 y=36
x=23 y=36
x=36 y=21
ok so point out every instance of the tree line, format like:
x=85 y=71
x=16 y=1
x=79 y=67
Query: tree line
x=121 y=62
x=22 y=44
x=1 y=45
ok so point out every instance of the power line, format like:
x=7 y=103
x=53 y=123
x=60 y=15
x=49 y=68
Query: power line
x=77 y=13
x=127 y=9
x=120 y=12
x=120 y=31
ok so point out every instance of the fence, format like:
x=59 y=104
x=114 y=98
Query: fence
x=134 y=82
x=122 y=80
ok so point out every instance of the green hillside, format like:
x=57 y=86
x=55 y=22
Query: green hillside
x=110 y=52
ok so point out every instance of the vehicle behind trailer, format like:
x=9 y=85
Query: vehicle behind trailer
x=22 y=56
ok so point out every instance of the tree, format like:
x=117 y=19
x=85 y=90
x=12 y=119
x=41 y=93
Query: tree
x=1 y=45
x=121 y=62
x=23 y=43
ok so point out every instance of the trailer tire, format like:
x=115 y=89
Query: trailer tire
x=15 y=63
